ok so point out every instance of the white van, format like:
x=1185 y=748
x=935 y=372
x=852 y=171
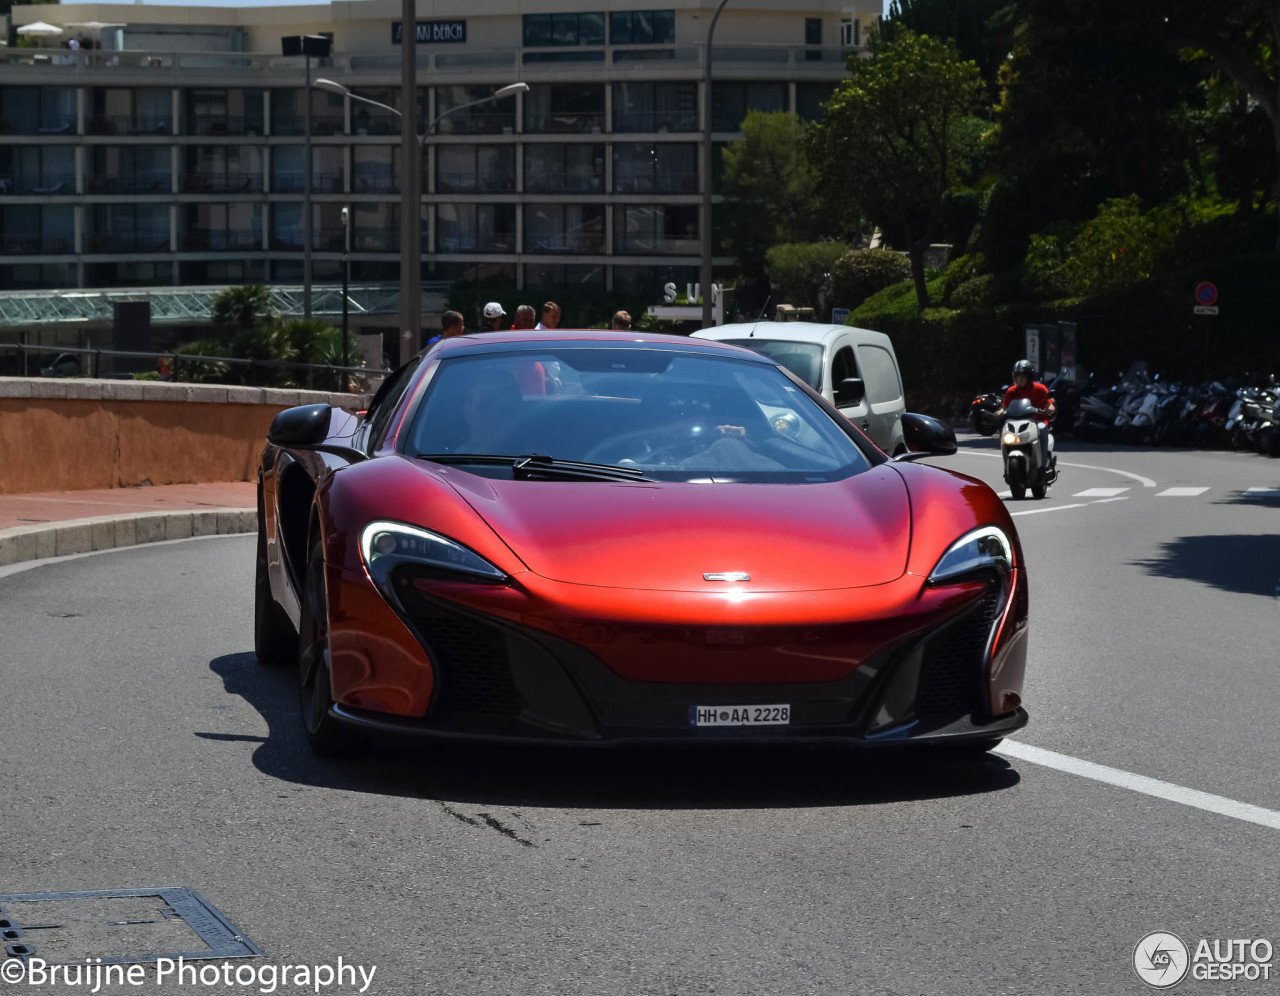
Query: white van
x=828 y=358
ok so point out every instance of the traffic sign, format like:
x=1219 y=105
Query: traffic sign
x=1206 y=309
x=1206 y=294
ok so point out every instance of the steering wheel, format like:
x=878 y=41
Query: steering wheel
x=647 y=446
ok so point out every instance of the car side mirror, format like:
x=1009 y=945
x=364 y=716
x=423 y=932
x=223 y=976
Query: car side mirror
x=851 y=391
x=926 y=436
x=306 y=425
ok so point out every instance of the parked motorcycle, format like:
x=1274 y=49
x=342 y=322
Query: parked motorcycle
x=1025 y=466
x=985 y=410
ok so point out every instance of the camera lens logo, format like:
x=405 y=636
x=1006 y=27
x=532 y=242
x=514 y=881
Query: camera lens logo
x=1161 y=960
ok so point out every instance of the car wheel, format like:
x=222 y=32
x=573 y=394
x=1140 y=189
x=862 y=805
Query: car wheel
x=274 y=639
x=325 y=734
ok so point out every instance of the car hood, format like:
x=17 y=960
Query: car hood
x=666 y=536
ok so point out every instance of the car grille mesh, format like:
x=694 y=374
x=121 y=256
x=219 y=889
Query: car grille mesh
x=951 y=674
x=473 y=667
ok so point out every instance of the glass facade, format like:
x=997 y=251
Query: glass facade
x=564 y=107
x=475 y=228
x=564 y=228
x=655 y=107
x=559 y=168
x=655 y=168
x=483 y=169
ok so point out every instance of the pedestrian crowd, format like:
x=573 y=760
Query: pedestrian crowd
x=495 y=319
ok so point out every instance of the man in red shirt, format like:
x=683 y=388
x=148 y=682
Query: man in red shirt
x=1024 y=387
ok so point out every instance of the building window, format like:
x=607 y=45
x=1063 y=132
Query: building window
x=476 y=169
x=376 y=169
x=497 y=118
x=129 y=228
x=655 y=168
x=564 y=169
x=131 y=169
x=642 y=27
x=810 y=97
x=851 y=33
x=123 y=111
x=46 y=170
x=563 y=30
x=649 y=230
x=556 y=277
x=564 y=107
x=375 y=228
x=366 y=120
x=577 y=228
x=730 y=102
x=475 y=228
x=224 y=112
x=222 y=169
x=37 y=228
x=813 y=31
x=37 y=110
x=286 y=226
x=222 y=228
x=152 y=274
x=655 y=107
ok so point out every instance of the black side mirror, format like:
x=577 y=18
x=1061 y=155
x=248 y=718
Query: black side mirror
x=306 y=425
x=926 y=436
x=850 y=391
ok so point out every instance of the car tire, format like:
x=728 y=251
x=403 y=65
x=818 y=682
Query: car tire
x=326 y=735
x=274 y=640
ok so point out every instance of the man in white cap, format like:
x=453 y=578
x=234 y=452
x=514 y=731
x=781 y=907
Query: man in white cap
x=493 y=315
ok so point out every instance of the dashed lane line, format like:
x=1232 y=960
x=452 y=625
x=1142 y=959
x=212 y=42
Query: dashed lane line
x=1180 y=492
x=1141 y=784
x=1100 y=493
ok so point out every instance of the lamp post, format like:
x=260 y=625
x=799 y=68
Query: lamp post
x=346 y=269
x=306 y=46
x=708 y=288
x=414 y=155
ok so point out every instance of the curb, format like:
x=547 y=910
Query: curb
x=109 y=532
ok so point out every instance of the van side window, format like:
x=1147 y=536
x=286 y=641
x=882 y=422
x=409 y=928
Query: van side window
x=843 y=366
x=881 y=375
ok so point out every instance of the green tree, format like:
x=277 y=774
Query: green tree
x=981 y=29
x=770 y=191
x=862 y=272
x=799 y=270
x=246 y=307
x=894 y=139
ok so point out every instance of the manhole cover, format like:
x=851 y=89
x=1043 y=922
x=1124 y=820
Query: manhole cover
x=124 y=926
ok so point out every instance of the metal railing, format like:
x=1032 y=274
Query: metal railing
x=94 y=366
x=35 y=245
x=221 y=183
x=127 y=242
x=470 y=182
x=58 y=185
x=221 y=240
x=136 y=183
x=208 y=124
x=544 y=181
x=127 y=124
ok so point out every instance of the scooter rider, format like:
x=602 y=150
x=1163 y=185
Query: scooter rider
x=1026 y=386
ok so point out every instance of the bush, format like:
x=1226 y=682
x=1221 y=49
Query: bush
x=863 y=272
x=798 y=270
x=975 y=293
x=201 y=371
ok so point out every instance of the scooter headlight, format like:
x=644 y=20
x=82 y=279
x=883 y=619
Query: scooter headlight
x=1010 y=438
x=981 y=549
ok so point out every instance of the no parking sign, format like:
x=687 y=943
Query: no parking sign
x=1206 y=298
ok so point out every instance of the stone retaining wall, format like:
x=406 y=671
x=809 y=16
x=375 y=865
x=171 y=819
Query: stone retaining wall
x=79 y=434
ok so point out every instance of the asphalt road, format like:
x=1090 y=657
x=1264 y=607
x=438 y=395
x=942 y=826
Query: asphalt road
x=143 y=746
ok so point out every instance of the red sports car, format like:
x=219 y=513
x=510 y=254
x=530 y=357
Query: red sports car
x=598 y=537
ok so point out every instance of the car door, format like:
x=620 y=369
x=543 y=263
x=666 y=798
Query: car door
x=885 y=403
x=841 y=365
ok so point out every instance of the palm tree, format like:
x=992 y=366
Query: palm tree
x=247 y=306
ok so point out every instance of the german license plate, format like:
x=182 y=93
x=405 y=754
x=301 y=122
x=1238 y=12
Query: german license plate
x=740 y=715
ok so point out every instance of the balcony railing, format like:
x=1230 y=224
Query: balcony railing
x=12 y=245
x=464 y=182
x=294 y=182
x=56 y=125
x=655 y=121
x=384 y=125
x=321 y=124
x=131 y=183
x=220 y=240
x=202 y=124
x=219 y=183
x=656 y=245
x=658 y=183
x=59 y=185
x=476 y=242
x=376 y=184
x=567 y=122
x=128 y=124
x=576 y=242
x=375 y=240
x=128 y=242
x=543 y=181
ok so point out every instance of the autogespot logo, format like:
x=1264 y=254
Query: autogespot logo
x=1161 y=960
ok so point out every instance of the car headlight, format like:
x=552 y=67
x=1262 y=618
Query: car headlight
x=981 y=549
x=1010 y=438
x=387 y=544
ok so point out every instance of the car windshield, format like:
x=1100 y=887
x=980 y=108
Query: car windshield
x=804 y=359
x=667 y=414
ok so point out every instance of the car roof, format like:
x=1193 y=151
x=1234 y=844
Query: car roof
x=815 y=332
x=473 y=343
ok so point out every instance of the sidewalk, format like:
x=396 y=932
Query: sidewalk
x=56 y=523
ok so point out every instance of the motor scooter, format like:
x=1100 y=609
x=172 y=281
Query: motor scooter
x=1024 y=464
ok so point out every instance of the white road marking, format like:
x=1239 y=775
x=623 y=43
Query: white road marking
x=1052 y=508
x=1263 y=491
x=1100 y=493
x=1103 y=501
x=1146 y=482
x=1141 y=783
x=1004 y=494
x=1181 y=492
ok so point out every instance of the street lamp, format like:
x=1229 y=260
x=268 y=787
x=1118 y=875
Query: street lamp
x=708 y=289
x=307 y=46
x=411 y=201
x=346 y=269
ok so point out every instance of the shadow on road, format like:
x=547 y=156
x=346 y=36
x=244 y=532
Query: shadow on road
x=1260 y=499
x=1245 y=564
x=717 y=777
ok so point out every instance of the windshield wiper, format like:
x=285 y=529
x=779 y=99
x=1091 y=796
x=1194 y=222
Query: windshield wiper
x=535 y=465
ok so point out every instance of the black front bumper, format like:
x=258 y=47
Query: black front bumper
x=502 y=682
